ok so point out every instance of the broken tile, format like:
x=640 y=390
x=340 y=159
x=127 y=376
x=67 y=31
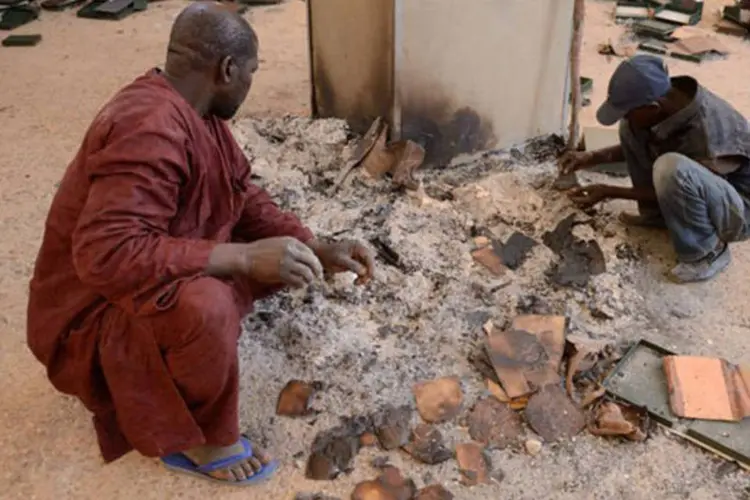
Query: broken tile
x=313 y=496
x=579 y=261
x=371 y=490
x=426 y=445
x=511 y=354
x=393 y=426
x=438 y=400
x=473 y=464
x=396 y=484
x=434 y=492
x=707 y=388
x=497 y=391
x=494 y=424
x=333 y=451
x=409 y=156
x=294 y=399
x=562 y=236
x=592 y=396
x=549 y=330
x=516 y=250
x=479 y=358
x=378 y=160
x=612 y=419
x=552 y=414
x=487 y=257
x=528 y=355
x=584 y=355
x=368 y=439
x=400 y=159
x=481 y=241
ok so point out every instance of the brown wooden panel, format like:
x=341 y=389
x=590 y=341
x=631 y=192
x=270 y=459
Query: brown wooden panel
x=351 y=59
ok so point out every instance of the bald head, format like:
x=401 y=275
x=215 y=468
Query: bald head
x=211 y=58
x=204 y=33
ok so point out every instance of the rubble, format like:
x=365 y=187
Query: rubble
x=527 y=356
x=434 y=492
x=331 y=456
x=591 y=357
x=488 y=257
x=368 y=439
x=552 y=415
x=392 y=426
x=438 y=400
x=370 y=344
x=313 y=496
x=333 y=450
x=473 y=464
x=707 y=388
x=400 y=159
x=516 y=249
x=427 y=446
x=390 y=485
x=612 y=419
x=494 y=424
x=294 y=399
x=579 y=259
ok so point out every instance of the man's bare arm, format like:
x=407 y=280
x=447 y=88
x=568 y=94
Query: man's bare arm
x=631 y=193
x=612 y=154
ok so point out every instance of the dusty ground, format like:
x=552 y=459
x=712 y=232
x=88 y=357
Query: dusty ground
x=47 y=447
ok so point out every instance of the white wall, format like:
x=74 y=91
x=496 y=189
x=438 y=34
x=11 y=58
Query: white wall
x=504 y=62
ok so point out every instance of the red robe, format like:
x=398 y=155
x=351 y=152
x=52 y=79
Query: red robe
x=120 y=310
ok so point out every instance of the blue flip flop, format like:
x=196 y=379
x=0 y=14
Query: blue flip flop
x=180 y=463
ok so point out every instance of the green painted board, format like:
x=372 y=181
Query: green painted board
x=731 y=439
x=639 y=379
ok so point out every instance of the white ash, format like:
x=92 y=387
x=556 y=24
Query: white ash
x=369 y=345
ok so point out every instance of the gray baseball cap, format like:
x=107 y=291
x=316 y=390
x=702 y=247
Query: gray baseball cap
x=636 y=82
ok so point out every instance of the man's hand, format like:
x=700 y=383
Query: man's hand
x=271 y=261
x=588 y=196
x=346 y=255
x=573 y=161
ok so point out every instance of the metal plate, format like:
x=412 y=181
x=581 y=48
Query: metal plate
x=730 y=439
x=639 y=379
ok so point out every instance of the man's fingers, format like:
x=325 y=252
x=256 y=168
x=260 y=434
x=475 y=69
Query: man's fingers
x=350 y=264
x=300 y=273
x=366 y=257
x=304 y=255
x=293 y=280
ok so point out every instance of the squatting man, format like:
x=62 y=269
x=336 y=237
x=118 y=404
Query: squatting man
x=688 y=156
x=156 y=245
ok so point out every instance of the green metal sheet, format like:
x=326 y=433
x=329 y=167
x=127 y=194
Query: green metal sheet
x=639 y=379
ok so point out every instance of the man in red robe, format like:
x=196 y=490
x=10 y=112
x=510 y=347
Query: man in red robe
x=156 y=245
